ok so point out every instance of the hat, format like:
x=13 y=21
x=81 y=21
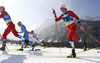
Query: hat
x=2 y=7
x=62 y=6
x=19 y=22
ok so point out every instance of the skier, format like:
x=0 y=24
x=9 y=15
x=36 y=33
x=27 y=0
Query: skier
x=68 y=18
x=10 y=27
x=26 y=36
x=35 y=39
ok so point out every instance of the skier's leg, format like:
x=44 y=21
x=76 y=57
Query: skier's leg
x=70 y=35
x=76 y=37
x=73 y=49
x=71 y=30
x=71 y=44
x=12 y=27
x=22 y=45
x=85 y=44
x=32 y=45
x=6 y=32
x=26 y=43
x=80 y=40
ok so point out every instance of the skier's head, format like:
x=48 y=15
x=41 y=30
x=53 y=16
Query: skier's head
x=19 y=23
x=63 y=8
x=32 y=31
x=2 y=8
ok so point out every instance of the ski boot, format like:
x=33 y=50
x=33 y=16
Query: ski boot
x=85 y=46
x=33 y=47
x=25 y=45
x=3 y=47
x=20 y=49
x=73 y=55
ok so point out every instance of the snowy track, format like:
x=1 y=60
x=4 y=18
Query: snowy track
x=48 y=55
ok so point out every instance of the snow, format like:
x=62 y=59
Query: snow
x=48 y=55
x=90 y=18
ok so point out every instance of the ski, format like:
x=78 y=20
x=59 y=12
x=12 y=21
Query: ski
x=71 y=56
x=24 y=48
x=87 y=50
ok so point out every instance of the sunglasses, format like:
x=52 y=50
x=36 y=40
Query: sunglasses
x=61 y=8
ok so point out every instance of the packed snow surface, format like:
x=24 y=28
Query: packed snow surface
x=48 y=55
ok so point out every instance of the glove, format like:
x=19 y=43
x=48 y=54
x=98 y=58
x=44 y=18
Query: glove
x=82 y=27
x=54 y=12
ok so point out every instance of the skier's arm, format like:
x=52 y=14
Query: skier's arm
x=75 y=16
x=2 y=14
x=58 y=19
x=23 y=29
x=34 y=35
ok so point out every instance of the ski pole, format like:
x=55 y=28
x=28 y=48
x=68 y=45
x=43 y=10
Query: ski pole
x=91 y=36
x=56 y=28
x=7 y=48
x=56 y=24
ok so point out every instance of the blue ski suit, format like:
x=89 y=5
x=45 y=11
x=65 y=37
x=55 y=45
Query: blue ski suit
x=26 y=35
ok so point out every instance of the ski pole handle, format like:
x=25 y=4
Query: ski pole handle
x=54 y=12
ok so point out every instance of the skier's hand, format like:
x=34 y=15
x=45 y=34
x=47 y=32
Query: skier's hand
x=54 y=12
x=82 y=27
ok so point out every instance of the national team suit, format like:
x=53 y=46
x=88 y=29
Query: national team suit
x=69 y=22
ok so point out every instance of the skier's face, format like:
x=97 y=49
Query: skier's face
x=18 y=24
x=63 y=10
x=1 y=10
x=32 y=31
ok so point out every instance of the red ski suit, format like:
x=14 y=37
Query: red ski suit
x=68 y=18
x=10 y=25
